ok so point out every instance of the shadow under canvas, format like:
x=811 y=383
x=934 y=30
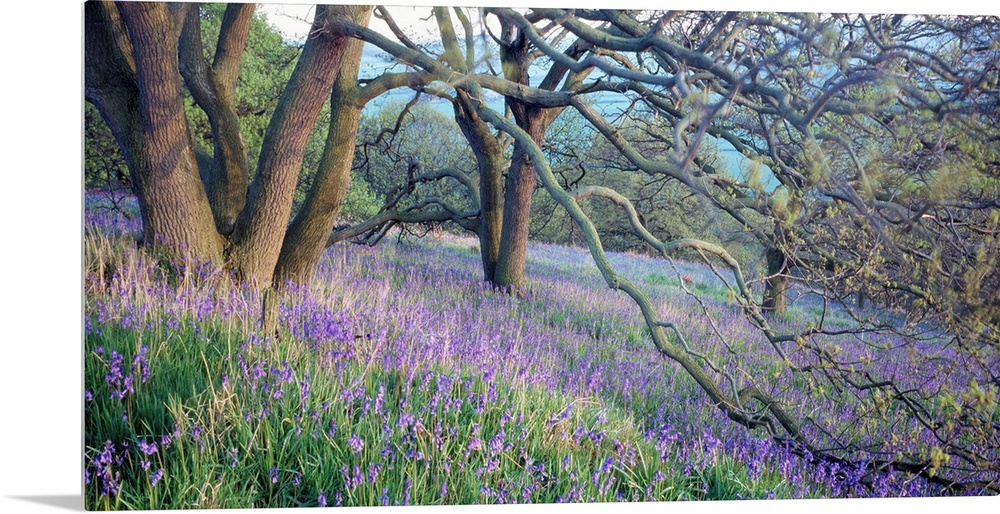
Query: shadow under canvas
x=63 y=501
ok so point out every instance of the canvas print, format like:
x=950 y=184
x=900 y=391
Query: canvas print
x=347 y=255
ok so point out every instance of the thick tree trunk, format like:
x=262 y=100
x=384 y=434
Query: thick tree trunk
x=307 y=236
x=261 y=226
x=214 y=90
x=520 y=182
x=776 y=285
x=176 y=210
x=510 y=270
x=491 y=210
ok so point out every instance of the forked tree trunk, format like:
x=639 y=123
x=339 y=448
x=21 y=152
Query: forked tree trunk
x=776 y=285
x=154 y=135
x=260 y=228
x=505 y=206
x=176 y=210
x=520 y=184
x=306 y=238
x=213 y=88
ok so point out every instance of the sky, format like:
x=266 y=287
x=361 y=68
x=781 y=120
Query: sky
x=41 y=213
x=293 y=19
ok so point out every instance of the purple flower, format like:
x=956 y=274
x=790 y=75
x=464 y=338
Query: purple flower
x=104 y=472
x=373 y=470
x=355 y=443
x=321 y=499
x=140 y=365
x=156 y=477
x=274 y=475
x=496 y=442
x=147 y=448
x=303 y=391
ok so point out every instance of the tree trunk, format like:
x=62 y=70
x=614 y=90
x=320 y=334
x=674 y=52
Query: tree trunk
x=260 y=228
x=214 y=90
x=308 y=233
x=510 y=268
x=489 y=159
x=176 y=210
x=109 y=79
x=776 y=286
x=520 y=184
x=520 y=177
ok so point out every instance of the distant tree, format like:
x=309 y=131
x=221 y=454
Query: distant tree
x=501 y=194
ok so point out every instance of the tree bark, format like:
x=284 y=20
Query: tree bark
x=109 y=78
x=776 y=285
x=176 y=210
x=535 y=120
x=490 y=161
x=307 y=236
x=520 y=182
x=261 y=226
x=214 y=90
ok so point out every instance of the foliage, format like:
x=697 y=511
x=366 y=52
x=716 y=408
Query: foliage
x=265 y=67
x=670 y=211
x=383 y=152
x=103 y=164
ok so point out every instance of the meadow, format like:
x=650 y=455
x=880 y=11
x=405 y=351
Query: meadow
x=399 y=378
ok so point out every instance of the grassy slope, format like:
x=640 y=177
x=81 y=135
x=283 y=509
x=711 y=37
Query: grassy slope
x=400 y=379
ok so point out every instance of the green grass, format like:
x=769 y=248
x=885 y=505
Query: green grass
x=185 y=391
